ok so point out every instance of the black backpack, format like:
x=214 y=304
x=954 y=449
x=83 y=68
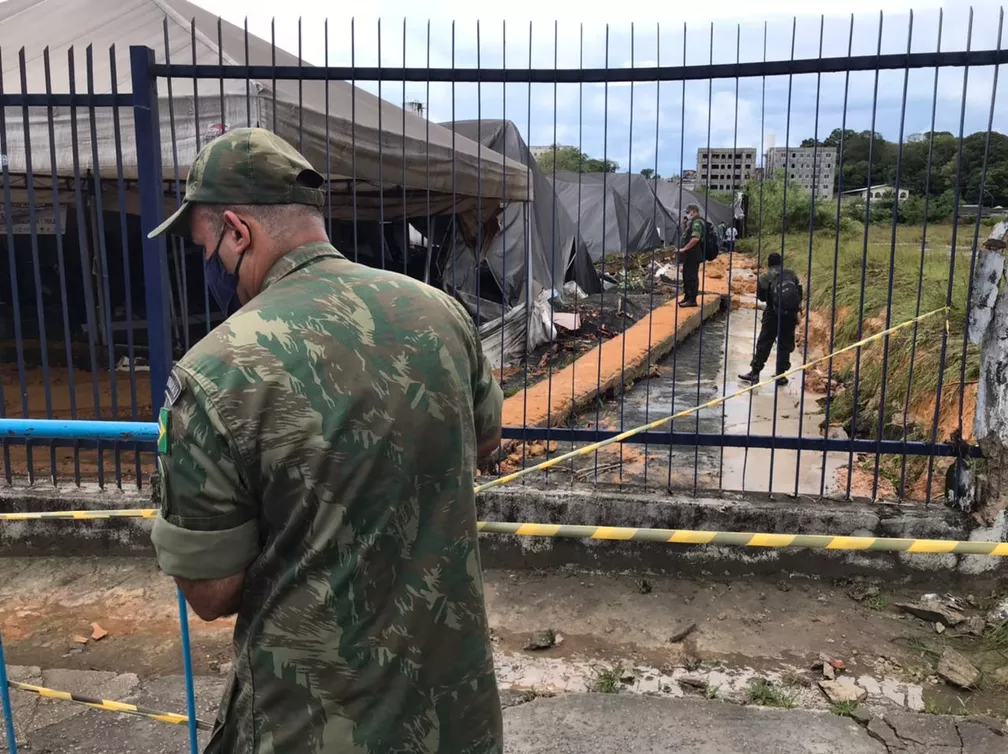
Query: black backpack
x=710 y=240
x=786 y=293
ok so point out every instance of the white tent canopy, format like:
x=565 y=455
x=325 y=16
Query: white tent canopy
x=400 y=162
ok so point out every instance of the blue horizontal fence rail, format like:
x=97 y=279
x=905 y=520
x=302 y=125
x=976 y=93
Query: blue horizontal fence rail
x=93 y=344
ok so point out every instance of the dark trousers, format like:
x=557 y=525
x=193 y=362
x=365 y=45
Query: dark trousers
x=691 y=276
x=768 y=334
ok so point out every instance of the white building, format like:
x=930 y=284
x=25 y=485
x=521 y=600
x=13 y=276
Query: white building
x=723 y=168
x=812 y=168
x=878 y=191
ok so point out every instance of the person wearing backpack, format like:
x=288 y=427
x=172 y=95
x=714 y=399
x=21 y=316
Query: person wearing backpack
x=693 y=254
x=780 y=288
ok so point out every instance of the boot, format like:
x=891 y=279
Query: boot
x=751 y=377
x=782 y=381
x=687 y=303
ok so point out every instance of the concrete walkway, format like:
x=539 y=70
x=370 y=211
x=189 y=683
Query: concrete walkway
x=572 y=724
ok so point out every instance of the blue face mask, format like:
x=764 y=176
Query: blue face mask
x=221 y=283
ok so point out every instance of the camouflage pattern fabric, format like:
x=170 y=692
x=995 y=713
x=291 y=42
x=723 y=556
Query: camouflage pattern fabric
x=697 y=232
x=323 y=439
x=246 y=166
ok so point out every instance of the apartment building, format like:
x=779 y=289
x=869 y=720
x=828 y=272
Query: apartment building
x=724 y=168
x=807 y=167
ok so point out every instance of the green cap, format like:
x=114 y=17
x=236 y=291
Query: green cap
x=246 y=166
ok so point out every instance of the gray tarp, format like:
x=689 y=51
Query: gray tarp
x=360 y=136
x=538 y=246
x=668 y=193
x=617 y=212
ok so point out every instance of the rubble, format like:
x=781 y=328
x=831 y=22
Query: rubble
x=97 y=632
x=541 y=640
x=681 y=634
x=931 y=609
x=843 y=691
x=999 y=613
x=956 y=669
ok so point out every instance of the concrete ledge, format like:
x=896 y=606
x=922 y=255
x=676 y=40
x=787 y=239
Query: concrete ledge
x=647 y=341
x=599 y=506
x=590 y=506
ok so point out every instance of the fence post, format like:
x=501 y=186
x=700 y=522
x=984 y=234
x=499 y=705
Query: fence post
x=5 y=704
x=147 y=126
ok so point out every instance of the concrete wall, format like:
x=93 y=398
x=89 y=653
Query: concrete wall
x=591 y=506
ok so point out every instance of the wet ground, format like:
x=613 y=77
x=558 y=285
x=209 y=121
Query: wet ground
x=696 y=373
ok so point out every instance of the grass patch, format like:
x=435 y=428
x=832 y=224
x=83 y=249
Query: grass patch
x=996 y=639
x=844 y=709
x=791 y=678
x=607 y=680
x=711 y=691
x=768 y=694
x=932 y=707
x=879 y=602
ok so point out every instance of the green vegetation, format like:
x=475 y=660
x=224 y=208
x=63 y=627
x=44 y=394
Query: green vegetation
x=574 y=160
x=913 y=174
x=844 y=709
x=711 y=691
x=878 y=603
x=768 y=694
x=607 y=680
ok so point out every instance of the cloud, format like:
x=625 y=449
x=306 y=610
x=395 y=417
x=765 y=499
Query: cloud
x=642 y=34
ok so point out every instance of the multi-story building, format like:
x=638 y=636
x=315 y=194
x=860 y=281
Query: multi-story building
x=725 y=169
x=811 y=168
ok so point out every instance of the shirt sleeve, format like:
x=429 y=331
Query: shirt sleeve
x=208 y=527
x=488 y=398
x=697 y=231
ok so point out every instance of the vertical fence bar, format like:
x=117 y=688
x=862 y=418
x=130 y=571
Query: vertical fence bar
x=248 y=85
x=188 y=670
x=148 y=141
x=624 y=305
x=504 y=216
x=552 y=251
x=12 y=269
x=665 y=242
x=526 y=241
x=808 y=273
x=60 y=262
x=836 y=262
x=783 y=253
x=731 y=255
x=381 y=162
x=605 y=163
x=36 y=266
x=973 y=252
x=892 y=268
x=353 y=139
x=703 y=271
x=920 y=272
x=328 y=145
x=98 y=232
x=406 y=246
x=127 y=276
x=181 y=275
x=864 y=273
x=952 y=259
x=578 y=221
x=759 y=251
x=85 y=263
x=5 y=701
x=196 y=148
x=682 y=238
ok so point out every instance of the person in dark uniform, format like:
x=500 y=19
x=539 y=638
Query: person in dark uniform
x=780 y=288
x=691 y=256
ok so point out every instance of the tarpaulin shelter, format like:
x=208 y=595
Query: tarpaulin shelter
x=617 y=212
x=539 y=246
x=401 y=163
x=668 y=193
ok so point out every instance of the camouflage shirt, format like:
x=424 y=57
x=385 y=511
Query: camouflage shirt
x=323 y=439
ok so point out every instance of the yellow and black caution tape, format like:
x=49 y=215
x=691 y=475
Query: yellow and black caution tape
x=81 y=515
x=557 y=460
x=111 y=706
x=745 y=539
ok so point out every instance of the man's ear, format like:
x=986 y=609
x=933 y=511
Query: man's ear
x=240 y=228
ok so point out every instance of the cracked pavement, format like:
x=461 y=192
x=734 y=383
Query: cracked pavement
x=566 y=724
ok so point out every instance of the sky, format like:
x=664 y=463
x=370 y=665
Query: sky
x=652 y=125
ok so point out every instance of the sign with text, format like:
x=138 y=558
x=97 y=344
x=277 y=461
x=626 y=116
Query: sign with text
x=20 y=219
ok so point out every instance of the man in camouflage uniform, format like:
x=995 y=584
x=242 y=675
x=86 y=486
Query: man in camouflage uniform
x=317 y=460
x=691 y=256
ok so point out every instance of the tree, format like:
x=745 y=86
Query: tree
x=649 y=174
x=573 y=160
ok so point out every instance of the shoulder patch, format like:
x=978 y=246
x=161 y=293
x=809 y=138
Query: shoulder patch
x=164 y=423
x=173 y=390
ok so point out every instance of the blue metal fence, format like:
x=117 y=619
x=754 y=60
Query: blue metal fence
x=94 y=312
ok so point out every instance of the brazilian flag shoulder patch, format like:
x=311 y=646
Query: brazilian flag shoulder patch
x=164 y=418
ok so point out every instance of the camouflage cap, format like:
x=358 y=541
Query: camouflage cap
x=246 y=166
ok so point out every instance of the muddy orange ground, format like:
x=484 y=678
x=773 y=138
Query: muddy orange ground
x=625 y=357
